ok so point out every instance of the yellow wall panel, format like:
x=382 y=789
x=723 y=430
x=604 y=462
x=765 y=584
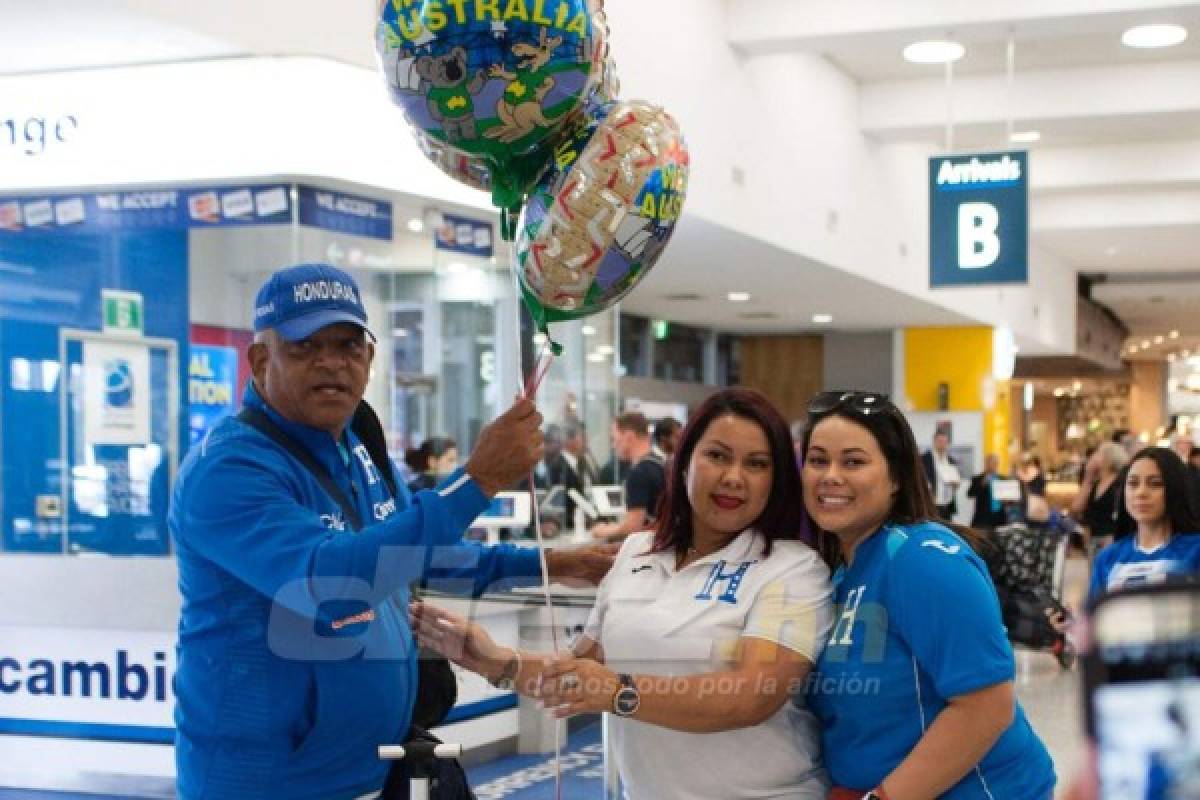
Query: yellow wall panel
x=958 y=357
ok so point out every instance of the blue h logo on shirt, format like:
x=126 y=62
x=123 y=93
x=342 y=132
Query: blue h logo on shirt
x=717 y=574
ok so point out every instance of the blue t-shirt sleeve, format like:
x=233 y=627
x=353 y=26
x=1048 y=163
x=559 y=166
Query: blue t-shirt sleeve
x=944 y=606
x=1191 y=559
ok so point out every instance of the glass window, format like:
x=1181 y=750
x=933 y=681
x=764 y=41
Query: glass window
x=728 y=364
x=635 y=352
x=679 y=356
x=123 y=342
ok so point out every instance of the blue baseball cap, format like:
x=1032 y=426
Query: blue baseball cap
x=299 y=301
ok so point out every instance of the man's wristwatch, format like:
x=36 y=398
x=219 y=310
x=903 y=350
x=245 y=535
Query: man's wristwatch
x=507 y=679
x=875 y=794
x=627 y=700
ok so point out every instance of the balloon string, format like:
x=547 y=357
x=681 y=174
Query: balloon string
x=540 y=367
x=532 y=383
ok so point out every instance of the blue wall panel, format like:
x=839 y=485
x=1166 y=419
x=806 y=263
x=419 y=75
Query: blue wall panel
x=54 y=281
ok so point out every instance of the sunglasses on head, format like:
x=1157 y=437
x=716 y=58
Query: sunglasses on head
x=864 y=403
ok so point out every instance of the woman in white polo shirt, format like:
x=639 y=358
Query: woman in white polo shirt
x=704 y=630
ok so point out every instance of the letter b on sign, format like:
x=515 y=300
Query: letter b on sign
x=978 y=235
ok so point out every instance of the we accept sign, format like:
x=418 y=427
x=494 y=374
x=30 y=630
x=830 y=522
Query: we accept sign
x=979 y=219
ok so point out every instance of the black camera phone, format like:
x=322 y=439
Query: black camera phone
x=1142 y=687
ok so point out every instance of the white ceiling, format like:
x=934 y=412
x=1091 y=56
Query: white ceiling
x=1093 y=40
x=708 y=260
x=1120 y=250
x=93 y=33
x=1154 y=308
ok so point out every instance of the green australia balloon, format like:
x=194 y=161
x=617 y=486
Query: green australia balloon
x=492 y=82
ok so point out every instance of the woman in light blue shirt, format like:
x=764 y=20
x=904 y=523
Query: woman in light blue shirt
x=915 y=687
x=1154 y=501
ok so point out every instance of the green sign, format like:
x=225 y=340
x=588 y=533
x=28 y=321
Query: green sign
x=123 y=312
x=662 y=329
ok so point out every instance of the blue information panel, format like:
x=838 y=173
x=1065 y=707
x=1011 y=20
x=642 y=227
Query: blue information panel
x=157 y=209
x=95 y=478
x=979 y=219
x=464 y=235
x=345 y=213
x=212 y=388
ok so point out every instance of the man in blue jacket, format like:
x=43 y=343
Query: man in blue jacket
x=296 y=659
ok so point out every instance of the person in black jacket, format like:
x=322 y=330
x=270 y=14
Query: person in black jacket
x=941 y=473
x=989 y=512
x=1185 y=446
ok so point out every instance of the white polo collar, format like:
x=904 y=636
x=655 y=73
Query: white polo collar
x=741 y=548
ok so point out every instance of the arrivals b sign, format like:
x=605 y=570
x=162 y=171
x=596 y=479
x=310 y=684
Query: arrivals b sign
x=979 y=219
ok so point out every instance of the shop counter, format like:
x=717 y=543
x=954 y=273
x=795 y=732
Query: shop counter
x=87 y=702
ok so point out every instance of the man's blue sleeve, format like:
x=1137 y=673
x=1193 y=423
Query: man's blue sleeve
x=474 y=569
x=945 y=608
x=236 y=511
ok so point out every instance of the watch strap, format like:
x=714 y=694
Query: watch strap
x=507 y=679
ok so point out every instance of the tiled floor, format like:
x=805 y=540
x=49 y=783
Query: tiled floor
x=1049 y=694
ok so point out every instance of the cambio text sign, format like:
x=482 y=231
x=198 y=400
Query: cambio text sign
x=979 y=219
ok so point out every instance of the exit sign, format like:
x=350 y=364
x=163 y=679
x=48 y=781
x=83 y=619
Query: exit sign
x=123 y=312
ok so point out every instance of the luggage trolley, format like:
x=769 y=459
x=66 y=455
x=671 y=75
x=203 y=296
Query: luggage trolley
x=1028 y=568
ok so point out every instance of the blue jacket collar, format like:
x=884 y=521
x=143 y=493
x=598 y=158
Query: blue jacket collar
x=319 y=443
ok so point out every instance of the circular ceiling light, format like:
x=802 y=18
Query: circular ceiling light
x=1148 y=36
x=934 y=52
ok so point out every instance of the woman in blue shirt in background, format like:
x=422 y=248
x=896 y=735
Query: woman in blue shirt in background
x=1155 y=503
x=915 y=687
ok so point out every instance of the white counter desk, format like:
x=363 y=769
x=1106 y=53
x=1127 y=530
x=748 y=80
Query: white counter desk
x=117 y=617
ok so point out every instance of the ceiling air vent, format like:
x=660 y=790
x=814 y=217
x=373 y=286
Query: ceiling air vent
x=752 y=315
x=682 y=297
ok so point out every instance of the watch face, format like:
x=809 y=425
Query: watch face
x=627 y=702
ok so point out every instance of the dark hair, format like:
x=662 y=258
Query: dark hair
x=1177 y=490
x=780 y=519
x=634 y=421
x=913 y=501
x=433 y=447
x=665 y=428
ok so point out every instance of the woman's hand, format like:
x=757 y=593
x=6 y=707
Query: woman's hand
x=464 y=642
x=577 y=686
